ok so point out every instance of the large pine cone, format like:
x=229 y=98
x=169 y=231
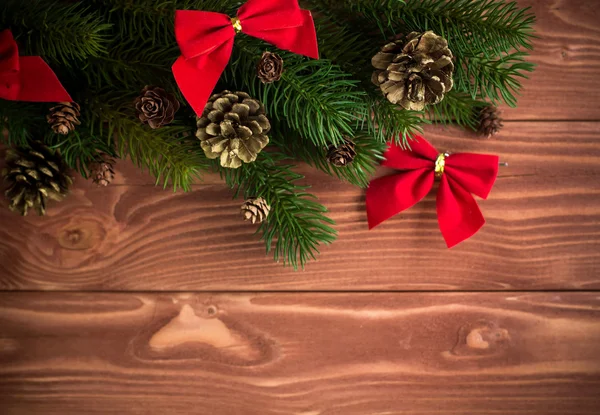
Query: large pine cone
x=35 y=175
x=64 y=117
x=490 y=122
x=414 y=72
x=255 y=209
x=234 y=128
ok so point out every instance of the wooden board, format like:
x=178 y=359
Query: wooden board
x=543 y=231
x=309 y=354
x=565 y=85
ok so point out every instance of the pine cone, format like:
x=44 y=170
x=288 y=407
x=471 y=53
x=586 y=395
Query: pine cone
x=35 y=175
x=342 y=155
x=64 y=117
x=255 y=209
x=270 y=68
x=102 y=172
x=156 y=106
x=414 y=72
x=234 y=128
x=490 y=122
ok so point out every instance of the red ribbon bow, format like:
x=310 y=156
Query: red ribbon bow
x=206 y=41
x=461 y=174
x=26 y=78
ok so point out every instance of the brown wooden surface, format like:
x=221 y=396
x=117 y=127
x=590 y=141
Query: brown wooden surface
x=179 y=311
x=309 y=354
x=542 y=231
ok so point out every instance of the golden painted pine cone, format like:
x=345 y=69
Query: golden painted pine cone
x=255 y=210
x=342 y=155
x=64 y=117
x=233 y=128
x=35 y=175
x=156 y=107
x=102 y=172
x=415 y=71
x=490 y=122
x=270 y=68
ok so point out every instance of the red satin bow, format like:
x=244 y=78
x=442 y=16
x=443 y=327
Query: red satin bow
x=206 y=41
x=459 y=216
x=26 y=78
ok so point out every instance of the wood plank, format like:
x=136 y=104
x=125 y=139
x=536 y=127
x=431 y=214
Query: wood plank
x=309 y=354
x=543 y=232
x=564 y=85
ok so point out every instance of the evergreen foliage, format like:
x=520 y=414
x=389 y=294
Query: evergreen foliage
x=106 y=51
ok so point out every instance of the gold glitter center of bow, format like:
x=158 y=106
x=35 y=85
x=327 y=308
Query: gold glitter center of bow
x=237 y=25
x=440 y=164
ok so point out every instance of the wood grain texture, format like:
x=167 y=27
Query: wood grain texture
x=564 y=85
x=543 y=231
x=305 y=354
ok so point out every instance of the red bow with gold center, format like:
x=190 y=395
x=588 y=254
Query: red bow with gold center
x=460 y=174
x=26 y=78
x=206 y=41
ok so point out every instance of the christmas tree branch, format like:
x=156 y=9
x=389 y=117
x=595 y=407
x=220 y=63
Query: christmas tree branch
x=314 y=97
x=80 y=148
x=169 y=153
x=497 y=80
x=296 y=225
x=21 y=122
x=369 y=153
x=61 y=33
x=457 y=107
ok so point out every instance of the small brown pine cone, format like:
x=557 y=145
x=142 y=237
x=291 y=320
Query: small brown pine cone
x=102 y=172
x=255 y=209
x=64 y=117
x=156 y=107
x=270 y=68
x=342 y=155
x=490 y=122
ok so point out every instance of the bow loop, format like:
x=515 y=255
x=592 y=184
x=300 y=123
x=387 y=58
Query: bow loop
x=26 y=78
x=216 y=30
x=461 y=175
x=206 y=41
x=475 y=172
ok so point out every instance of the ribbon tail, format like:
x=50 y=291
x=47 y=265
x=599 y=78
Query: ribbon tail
x=390 y=195
x=38 y=83
x=459 y=215
x=198 y=76
x=300 y=39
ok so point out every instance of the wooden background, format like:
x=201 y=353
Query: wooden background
x=135 y=300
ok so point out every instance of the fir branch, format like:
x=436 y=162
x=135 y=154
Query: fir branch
x=169 y=153
x=369 y=153
x=21 y=122
x=392 y=123
x=297 y=224
x=478 y=27
x=459 y=108
x=80 y=148
x=61 y=33
x=314 y=97
x=496 y=80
